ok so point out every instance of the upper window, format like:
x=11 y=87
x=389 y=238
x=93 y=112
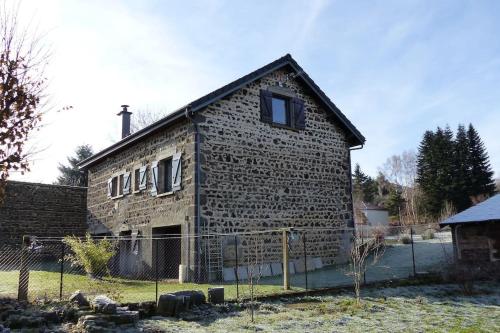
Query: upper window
x=281 y=110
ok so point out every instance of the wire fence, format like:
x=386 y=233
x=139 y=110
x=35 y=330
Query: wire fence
x=135 y=268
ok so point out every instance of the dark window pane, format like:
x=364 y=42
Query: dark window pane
x=168 y=176
x=279 y=111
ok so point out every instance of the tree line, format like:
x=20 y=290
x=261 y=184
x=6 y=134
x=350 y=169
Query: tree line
x=450 y=172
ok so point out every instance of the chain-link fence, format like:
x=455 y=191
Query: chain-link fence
x=134 y=268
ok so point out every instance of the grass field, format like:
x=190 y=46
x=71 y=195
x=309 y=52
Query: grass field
x=46 y=284
x=431 y=308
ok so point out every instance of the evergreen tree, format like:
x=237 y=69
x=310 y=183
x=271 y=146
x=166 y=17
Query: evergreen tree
x=364 y=188
x=72 y=175
x=481 y=175
x=394 y=202
x=426 y=173
x=462 y=171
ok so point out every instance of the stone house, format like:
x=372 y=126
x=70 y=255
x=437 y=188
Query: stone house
x=476 y=234
x=267 y=151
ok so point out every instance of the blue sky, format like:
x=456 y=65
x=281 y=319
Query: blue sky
x=395 y=68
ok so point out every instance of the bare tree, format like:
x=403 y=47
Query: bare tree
x=145 y=117
x=255 y=260
x=22 y=90
x=497 y=182
x=361 y=250
x=402 y=171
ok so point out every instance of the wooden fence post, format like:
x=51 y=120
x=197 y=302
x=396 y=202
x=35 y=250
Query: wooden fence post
x=24 y=272
x=286 y=260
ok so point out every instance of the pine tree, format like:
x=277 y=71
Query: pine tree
x=462 y=171
x=426 y=172
x=481 y=175
x=72 y=175
x=394 y=202
x=364 y=187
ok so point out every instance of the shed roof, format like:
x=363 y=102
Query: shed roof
x=486 y=211
x=354 y=136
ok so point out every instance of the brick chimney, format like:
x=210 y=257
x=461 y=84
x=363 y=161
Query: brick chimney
x=125 y=121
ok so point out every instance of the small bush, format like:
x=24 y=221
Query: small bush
x=428 y=234
x=405 y=239
x=92 y=255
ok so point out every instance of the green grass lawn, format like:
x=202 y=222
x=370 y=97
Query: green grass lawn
x=46 y=284
x=425 y=308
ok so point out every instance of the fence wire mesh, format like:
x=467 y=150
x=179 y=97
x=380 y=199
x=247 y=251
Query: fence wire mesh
x=135 y=268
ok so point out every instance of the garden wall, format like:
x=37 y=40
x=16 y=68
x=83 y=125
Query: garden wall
x=41 y=210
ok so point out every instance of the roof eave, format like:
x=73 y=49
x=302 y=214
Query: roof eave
x=355 y=138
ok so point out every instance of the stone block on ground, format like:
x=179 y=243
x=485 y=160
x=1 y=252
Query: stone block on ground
x=276 y=268
x=166 y=305
x=216 y=295
x=104 y=304
x=196 y=297
x=318 y=263
x=79 y=299
x=229 y=274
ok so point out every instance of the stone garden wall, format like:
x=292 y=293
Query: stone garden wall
x=41 y=210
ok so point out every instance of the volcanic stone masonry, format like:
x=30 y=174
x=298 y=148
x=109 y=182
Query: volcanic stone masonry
x=41 y=210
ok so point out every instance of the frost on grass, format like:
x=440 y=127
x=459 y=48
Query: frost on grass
x=435 y=308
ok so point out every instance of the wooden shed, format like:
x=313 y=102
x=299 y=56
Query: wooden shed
x=476 y=233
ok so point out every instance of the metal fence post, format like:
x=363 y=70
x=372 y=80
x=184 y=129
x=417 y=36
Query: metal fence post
x=305 y=256
x=61 y=271
x=413 y=252
x=156 y=270
x=24 y=273
x=237 y=277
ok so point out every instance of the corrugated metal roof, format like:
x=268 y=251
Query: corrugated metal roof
x=486 y=211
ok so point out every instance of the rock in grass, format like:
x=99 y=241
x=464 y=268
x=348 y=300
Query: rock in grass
x=216 y=295
x=79 y=299
x=166 y=305
x=104 y=304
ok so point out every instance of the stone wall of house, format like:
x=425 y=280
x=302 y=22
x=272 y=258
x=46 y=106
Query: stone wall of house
x=259 y=177
x=41 y=210
x=142 y=211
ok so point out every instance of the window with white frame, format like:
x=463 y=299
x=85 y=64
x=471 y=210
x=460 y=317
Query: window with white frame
x=166 y=175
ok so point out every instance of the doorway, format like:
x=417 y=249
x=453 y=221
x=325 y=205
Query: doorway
x=167 y=251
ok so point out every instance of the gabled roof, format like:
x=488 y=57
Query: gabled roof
x=354 y=136
x=486 y=211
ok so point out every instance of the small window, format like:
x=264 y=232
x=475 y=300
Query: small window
x=121 y=183
x=114 y=187
x=137 y=179
x=281 y=114
x=165 y=176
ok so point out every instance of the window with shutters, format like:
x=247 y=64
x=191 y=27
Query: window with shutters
x=282 y=108
x=166 y=175
x=119 y=185
x=140 y=179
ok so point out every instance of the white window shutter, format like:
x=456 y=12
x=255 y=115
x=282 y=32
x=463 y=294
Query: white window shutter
x=110 y=187
x=126 y=183
x=154 y=177
x=142 y=178
x=176 y=172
